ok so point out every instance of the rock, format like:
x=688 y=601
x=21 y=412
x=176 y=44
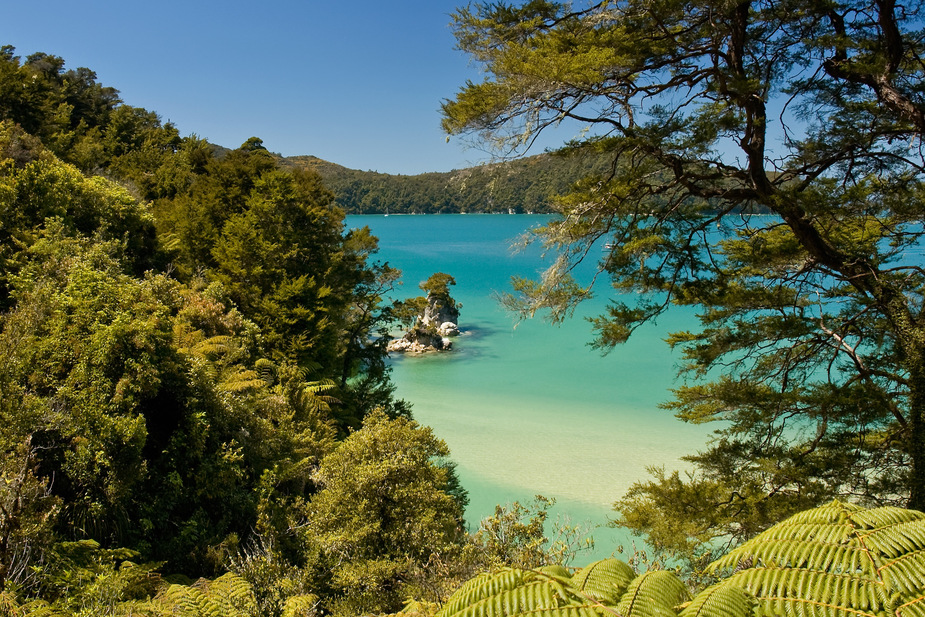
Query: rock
x=439 y=311
x=399 y=344
x=432 y=329
x=448 y=328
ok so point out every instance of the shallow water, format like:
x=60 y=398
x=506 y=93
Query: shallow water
x=529 y=408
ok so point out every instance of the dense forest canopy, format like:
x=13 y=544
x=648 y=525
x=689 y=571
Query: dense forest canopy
x=521 y=185
x=811 y=354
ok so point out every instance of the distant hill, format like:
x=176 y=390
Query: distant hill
x=521 y=185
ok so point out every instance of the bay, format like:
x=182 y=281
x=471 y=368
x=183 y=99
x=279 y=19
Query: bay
x=528 y=407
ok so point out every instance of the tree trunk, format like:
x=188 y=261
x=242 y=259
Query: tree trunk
x=916 y=436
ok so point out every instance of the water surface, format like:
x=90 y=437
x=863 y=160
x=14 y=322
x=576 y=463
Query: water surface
x=529 y=408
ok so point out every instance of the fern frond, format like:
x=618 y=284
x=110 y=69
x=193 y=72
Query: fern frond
x=653 y=594
x=239 y=380
x=227 y=596
x=212 y=346
x=907 y=572
x=604 y=580
x=35 y=608
x=799 y=553
x=886 y=516
x=824 y=587
x=898 y=538
x=266 y=369
x=522 y=593
x=912 y=608
x=557 y=571
x=8 y=605
x=232 y=593
x=314 y=395
x=522 y=600
x=721 y=600
x=807 y=607
x=836 y=560
x=484 y=586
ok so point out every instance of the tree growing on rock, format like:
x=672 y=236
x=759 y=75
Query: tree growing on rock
x=430 y=319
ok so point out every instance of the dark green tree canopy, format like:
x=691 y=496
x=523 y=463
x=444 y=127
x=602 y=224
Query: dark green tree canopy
x=812 y=346
x=187 y=332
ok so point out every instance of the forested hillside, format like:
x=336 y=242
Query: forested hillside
x=193 y=377
x=520 y=185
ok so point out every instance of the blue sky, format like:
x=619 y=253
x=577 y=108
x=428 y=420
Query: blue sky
x=357 y=83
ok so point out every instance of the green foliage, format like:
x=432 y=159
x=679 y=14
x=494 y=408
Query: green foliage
x=185 y=342
x=520 y=185
x=280 y=587
x=36 y=188
x=27 y=515
x=82 y=579
x=837 y=559
x=65 y=109
x=438 y=284
x=598 y=589
x=228 y=595
x=516 y=536
x=382 y=510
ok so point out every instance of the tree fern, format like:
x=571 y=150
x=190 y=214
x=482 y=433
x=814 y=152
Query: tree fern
x=520 y=593
x=227 y=596
x=266 y=369
x=838 y=559
x=315 y=395
x=300 y=606
x=240 y=379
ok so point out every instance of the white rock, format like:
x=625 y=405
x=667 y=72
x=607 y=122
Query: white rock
x=448 y=328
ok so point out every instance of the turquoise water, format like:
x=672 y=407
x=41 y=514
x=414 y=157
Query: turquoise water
x=529 y=408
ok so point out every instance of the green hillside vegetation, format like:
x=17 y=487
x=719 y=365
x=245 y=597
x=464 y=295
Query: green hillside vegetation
x=193 y=356
x=522 y=185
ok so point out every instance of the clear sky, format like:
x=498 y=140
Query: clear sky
x=358 y=83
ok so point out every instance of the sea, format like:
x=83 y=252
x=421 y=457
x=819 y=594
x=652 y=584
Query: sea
x=528 y=407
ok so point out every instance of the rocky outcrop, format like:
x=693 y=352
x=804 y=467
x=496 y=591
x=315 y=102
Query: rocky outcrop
x=440 y=310
x=433 y=329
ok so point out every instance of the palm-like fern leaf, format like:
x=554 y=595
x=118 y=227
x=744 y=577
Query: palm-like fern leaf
x=227 y=596
x=721 y=601
x=315 y=397
x=521 y=593
x=240 y=380
x=266 y=369
x=838 y=559
x=654 y=594
x=604 y=581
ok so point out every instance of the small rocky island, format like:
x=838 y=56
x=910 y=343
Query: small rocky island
x=433 y=319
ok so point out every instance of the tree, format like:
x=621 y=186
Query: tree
x=811 y=353
x=383 y=509
x=437 y=285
